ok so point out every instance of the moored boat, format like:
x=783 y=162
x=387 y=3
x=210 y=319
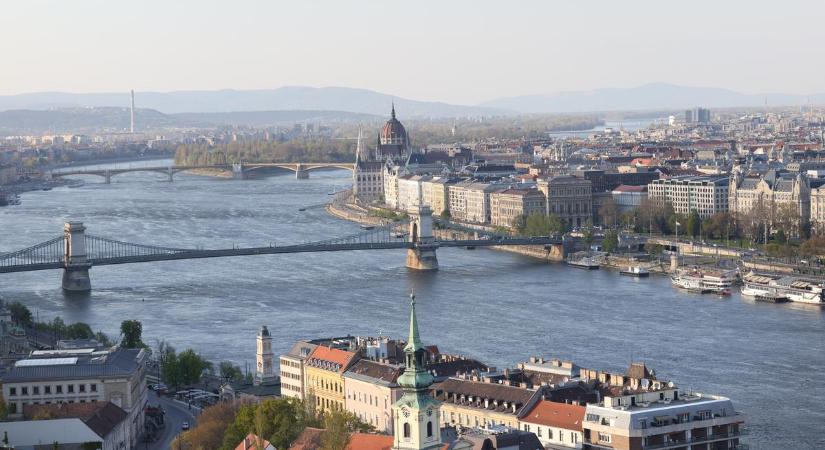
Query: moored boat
x=635 y=271
x=587 y=263
x=704 y=281
x=795 y=289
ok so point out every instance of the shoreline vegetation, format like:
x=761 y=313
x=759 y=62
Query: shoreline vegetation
x=338 y=145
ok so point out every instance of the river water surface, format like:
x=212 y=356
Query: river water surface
x=495 y=306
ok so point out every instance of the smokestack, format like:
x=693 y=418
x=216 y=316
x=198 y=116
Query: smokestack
x=132 y=114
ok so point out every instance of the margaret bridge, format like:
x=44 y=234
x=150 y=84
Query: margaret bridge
x=239 y=170
x=76 y=252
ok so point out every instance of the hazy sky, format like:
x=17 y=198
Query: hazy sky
x=455 y=51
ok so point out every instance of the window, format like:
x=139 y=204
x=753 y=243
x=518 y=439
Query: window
x=70 y=388
x=12 y=392
x=24 y=390
x=82 y=387
x=35 y=390
x=604 y=437
x=47 y=389
x=59 y=388
x=429 y=429
x=406 y=430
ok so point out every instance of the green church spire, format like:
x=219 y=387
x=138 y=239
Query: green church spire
x=415 y=375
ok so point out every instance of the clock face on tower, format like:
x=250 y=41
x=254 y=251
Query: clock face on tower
x=429 y=412
x=406 y=412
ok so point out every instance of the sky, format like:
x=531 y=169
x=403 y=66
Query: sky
x=455 y=51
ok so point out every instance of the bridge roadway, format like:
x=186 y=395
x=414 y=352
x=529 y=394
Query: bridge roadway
x=301 y=169
x=300 y=248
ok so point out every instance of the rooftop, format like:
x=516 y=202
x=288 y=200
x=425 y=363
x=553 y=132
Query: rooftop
x=559 y=415
x=63 y=365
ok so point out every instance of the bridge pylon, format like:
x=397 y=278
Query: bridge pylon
x=238 y=171
x=108 y=176
x=300 y=172
x=76 y=265
x=422 y=256
x=170 y=173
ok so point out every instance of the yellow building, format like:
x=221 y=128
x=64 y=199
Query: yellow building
x=324 y=376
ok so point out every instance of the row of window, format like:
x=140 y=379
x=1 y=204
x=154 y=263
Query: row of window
x=47 y=389
x=574 y=437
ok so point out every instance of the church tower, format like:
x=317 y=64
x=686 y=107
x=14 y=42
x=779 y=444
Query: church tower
x=416 y=413
x=264 y=371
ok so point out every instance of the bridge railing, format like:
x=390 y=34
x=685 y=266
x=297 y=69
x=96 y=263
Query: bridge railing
x=100 y=248
x=48 y=252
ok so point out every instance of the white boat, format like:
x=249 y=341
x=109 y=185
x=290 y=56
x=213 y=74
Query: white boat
x=794 y=289
x=704 y=281
x=635 y=271
x=587 y=262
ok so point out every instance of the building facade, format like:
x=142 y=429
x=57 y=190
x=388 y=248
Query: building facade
x=507 y=205
x=324 y=376
x=773 y=192
x=706 y=195
x=471 y=402
x=81 y=376
x=569 y=198
x=371 y=389
x=292 y=369
x=555 y=424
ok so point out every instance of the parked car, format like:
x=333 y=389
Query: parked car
x=184 y=426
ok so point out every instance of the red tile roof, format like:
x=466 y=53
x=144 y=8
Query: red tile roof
x=251 y=442
x=360 y=441
x=309 y=439
x=558 y=415
x=339 y=359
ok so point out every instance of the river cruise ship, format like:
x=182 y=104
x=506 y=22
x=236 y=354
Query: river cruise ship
x=794 y=289
x=705 y=281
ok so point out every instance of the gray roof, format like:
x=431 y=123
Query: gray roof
x=122 y=362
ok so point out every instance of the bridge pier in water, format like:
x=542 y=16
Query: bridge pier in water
x=422 y=257
x=108 y=176
x=171 y=173
x=301 y=173
x=237 y=171
x=76 y=266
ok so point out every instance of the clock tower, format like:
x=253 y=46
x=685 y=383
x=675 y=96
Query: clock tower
x=416 y=413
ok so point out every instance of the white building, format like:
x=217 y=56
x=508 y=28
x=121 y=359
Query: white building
x=706 y=195
x=292 y=369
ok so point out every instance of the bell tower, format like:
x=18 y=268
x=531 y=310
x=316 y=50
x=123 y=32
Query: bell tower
x=264 y=372
x=416 y=413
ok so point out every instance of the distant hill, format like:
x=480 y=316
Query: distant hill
x=647 y=97
x=80 y=120
x=361 y=101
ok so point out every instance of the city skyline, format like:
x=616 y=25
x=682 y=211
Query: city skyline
x=460 y=52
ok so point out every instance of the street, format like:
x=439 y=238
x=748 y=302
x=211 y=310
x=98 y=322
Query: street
x=176 y=414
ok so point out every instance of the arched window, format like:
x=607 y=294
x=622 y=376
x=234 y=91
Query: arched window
x=406 y=430
x=429 y=429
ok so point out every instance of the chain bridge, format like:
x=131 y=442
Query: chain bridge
x=75 y=252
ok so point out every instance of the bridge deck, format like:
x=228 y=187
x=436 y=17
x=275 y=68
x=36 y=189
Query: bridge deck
x=301 y=248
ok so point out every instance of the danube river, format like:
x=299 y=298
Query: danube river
x=495 y=306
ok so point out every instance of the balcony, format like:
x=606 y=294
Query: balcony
x=698 y=440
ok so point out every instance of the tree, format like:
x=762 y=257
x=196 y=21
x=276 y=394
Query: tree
x=4 y=409
x=336 y=434
x=210 y=428
x=229 y=371
x=192 y=366
x=20 y=314
x=131 y=330
x=611 y=241
x=280 y=421
x=694 y=223
x=79 y=330
x=587 y=233
x=445 y=214
x=519 y=223
x=609 y=213
x=780 y=237
x=541 y=225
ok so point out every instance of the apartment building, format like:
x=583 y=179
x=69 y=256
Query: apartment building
x=507 y=205
x=663 y=418
x=458 y=199
x=292 y=369
x=410 y=191
x=435 y=193
x=370 y=389
x=568 y=197
x=324 y=376
x=474 y=402
x=707 y=195
x=84 y=375
x=478 y=202
x=555 y=424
